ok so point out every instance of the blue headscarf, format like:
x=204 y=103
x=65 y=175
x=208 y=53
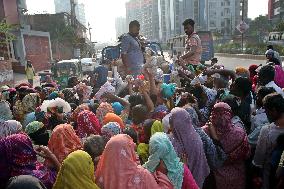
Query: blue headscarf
x=161 y=148
x=168 y=90
x=117 y=107
x=53 y=95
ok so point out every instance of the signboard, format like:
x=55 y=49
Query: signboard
x=243 y=27
x=207 y=45
x=77 y=53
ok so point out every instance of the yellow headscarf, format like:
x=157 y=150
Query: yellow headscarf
x=76 y=172
x=142 y=148
x=157 y=127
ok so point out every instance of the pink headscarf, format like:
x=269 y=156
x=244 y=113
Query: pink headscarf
x=233 y=139
x=118 y=167
x=87 y=124
x=188 y=144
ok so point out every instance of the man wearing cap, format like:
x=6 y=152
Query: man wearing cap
x=193 y=48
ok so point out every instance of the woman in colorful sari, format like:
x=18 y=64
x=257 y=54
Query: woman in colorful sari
x=76 y=172
x=162 y=152
x=63 y=141
x=87 y=124
x=10 y=127
x=150 y=127
x=110 y=129
x=235 y=144
x=30 y=103
x=5 y=111
x=126 y=172
x=102 y=110
x=19 y=158
x=188 y=145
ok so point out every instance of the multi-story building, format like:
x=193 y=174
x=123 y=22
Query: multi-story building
x=120 y=26
x=146 y=12
x=276 y=10
x=224 y=15
x=65 y=6
x=80 y=13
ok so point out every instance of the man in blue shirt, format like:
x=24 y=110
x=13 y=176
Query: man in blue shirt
x=131 y=52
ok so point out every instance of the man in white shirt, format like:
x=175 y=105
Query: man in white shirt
x=266 y=78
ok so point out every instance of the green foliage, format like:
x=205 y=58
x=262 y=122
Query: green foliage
x=260 y=26
x=6 y=29
x=255 y=49
x=279 y=26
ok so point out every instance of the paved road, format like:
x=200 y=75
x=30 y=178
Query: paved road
x=232 y=63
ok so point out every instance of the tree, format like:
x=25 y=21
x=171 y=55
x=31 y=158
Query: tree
x=279 y=26
x=6 y=31
x=260 y=26
x=6 y=37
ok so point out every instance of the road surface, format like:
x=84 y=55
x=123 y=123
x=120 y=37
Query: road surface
x=232 y=63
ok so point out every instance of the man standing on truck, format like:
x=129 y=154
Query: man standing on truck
x=193 y=48
x=131 y=52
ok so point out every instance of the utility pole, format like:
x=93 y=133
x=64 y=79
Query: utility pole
x=73 y=14
x=243 y=10
x=89 y=28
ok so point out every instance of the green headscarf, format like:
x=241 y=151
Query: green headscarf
x=161 y=148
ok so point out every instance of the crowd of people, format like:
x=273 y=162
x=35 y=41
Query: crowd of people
x=204 y=127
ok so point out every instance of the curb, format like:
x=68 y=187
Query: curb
x=242 y=56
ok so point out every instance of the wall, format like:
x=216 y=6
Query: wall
x=38 y=51
x=11 y=11
x=6 y=74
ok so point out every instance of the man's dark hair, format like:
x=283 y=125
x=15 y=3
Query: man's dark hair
x=267 y=72
x=264 y=91
x=188 y=22
x=274 y=101
x=134 y=23
x=232 y=101
x=243 y=84
x=270 y=47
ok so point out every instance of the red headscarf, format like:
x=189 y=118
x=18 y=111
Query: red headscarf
x=88 y=124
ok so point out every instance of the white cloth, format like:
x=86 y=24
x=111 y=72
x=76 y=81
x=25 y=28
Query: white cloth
x=275 y=87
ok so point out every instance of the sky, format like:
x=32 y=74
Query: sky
x=101 y=14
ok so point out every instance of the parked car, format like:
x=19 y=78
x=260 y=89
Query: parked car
x=88 y=64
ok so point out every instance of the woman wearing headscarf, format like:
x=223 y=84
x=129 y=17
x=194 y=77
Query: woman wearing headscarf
x=110 y=129
x=25 y=182
x=150 y=127
x=19 y=158
x=111 y=117
x=9 y=127
x=163 y=153
x=188 y=145
x=18 y=108
x=30 y=103
x=235 y=144
x=102 y=110
x=125 y=172
x=213 y=150
x=5 y=111
x=77 y=111
x=55 y=111
x=76 y=172
x=87 y=124
x=38 y=133
x=63 y=141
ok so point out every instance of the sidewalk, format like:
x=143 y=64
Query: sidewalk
x=21 y=78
